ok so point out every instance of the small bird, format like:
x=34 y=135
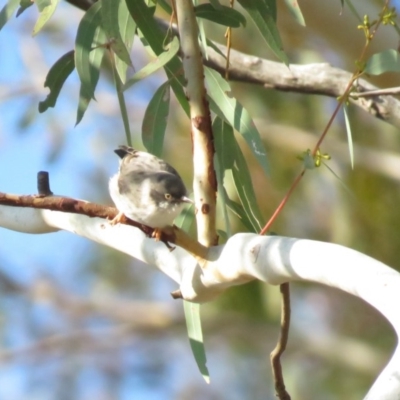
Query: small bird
x=146 y=189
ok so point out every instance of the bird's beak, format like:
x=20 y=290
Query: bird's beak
x=186 y=199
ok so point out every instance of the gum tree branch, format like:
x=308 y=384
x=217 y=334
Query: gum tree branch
x=274 y=260
x=320 y=78
x=204 y=179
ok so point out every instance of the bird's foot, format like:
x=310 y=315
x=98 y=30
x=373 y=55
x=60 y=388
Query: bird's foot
x=157 y=235
x=119 y=218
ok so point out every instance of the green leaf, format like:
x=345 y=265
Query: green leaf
x=202 y=36
x=55 y=79
x=349 y=135
x=165 y=6
x=89 y=52
x=111 y=20
x=46 y=9
x=224 y=15
x=155 y=120
x=308 y=160
x=222 y=161
x=263 y=14
x=7 y=11
x=232 y=111
x=294 y=9
x=42 y=4
x=386 y=61
x=244 y=187
x=163 y=58
x=223 y=135
x=24 y=4
x=144 y=19
x=238 y=210
x=185 y=219
x=193 y=323
x=127 y=29
x=230 y=157
x=216 y=4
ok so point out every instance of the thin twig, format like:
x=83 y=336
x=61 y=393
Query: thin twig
x=280 y=347
x=378 y=92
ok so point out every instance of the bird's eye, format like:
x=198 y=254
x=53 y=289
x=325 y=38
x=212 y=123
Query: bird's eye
x=168 y=196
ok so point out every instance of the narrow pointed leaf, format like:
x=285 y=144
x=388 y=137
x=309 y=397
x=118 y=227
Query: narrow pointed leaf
x=231 y=158
x=144 y=19
x=294 y=9
x=23 y=5
x=7 y=11
x=155 y=120
x=55 y=79
x=111 y=24
x=229 y=109
x=224 y=15
x=89 y=52
x=238 y=210
x=127 y=29
x=349 y=135
x=216 y=4
x=193 y=323
x=223 y=136
x=202 y=37
x=263 y=14
x=244 y=187
x=158 y=63
x=42 y=4
x=222 y=161
x=186 y=218
x=386 y=61
x=165 y=6
x=46 y=9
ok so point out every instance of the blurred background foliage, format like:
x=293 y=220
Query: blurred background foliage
x=81 y=321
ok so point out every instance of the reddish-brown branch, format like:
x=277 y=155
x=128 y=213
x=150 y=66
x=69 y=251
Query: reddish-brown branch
x=92 y=210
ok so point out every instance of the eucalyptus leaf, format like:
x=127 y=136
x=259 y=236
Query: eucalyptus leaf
x=46 y=9
x=56 y=78
x=385 y=61
x=202 y=37
x=229 y=109
x=42 y=4
x=223 y=15
x=23 y=5
x=216 y=4
x=295 y=10
x=230 y=157
x=244 y=187
x=111 y=20
x=263 y=14
x=127 y=29
x=162 y=59
x=7 y=11
x=186 y=218
x=89 y=52
x=155 y=120
x=222 y=161
x=349 y=135
x=144 y=19
x=195 y=334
